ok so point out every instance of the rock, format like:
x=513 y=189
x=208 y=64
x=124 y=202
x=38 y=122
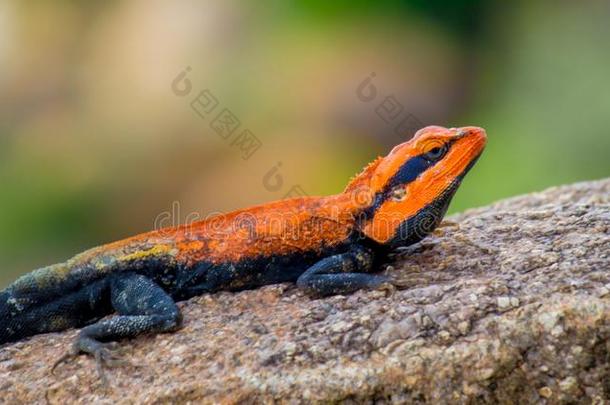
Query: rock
x=512 y=305
x=545 y=392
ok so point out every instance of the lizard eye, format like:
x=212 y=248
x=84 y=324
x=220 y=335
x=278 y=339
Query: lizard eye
x=436 y=154
x=399 y=194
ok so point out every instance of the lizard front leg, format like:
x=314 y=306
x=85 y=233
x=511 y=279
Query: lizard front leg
x=341 y=274
x=142 y=306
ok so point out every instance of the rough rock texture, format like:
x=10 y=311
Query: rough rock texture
x=512 y=305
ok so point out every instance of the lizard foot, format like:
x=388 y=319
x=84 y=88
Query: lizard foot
x=106 y=358
x=103 y=354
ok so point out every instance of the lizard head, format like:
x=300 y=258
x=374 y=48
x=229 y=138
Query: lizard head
x=410 y=189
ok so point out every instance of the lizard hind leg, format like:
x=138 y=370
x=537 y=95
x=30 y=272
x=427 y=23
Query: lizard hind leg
x=142 y=307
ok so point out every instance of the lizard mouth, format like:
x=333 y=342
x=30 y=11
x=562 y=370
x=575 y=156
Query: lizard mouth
x=475 y=139
x=469 y=166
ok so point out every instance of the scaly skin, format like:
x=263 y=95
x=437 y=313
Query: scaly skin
x=327 y=245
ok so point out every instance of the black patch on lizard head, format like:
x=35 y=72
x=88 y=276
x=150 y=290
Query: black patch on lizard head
x=408 y=172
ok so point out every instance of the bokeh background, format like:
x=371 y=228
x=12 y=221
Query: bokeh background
x=96 y=144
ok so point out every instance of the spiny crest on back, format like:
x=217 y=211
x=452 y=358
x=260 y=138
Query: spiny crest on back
x=364 y=177
x=374 y=176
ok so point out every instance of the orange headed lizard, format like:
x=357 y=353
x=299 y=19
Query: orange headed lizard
x=327 y=245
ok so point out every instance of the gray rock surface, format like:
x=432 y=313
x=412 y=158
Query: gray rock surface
x=509 y=305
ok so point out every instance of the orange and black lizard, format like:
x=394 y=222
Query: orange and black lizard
x=327 y=245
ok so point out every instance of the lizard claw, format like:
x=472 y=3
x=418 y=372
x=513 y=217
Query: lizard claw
x=64 y=359
x=104 y=358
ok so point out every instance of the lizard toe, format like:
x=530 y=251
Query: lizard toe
x=70 y=355
x=103 y=358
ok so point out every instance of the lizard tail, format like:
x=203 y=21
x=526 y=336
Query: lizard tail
x=25 y=295
x=7 y=334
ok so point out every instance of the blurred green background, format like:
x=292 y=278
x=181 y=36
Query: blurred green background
x=95 y=145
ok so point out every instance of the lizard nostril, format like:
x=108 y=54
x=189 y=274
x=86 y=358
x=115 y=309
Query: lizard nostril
x=464 y=131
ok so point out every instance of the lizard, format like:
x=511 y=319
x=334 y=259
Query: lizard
x=326 y=245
